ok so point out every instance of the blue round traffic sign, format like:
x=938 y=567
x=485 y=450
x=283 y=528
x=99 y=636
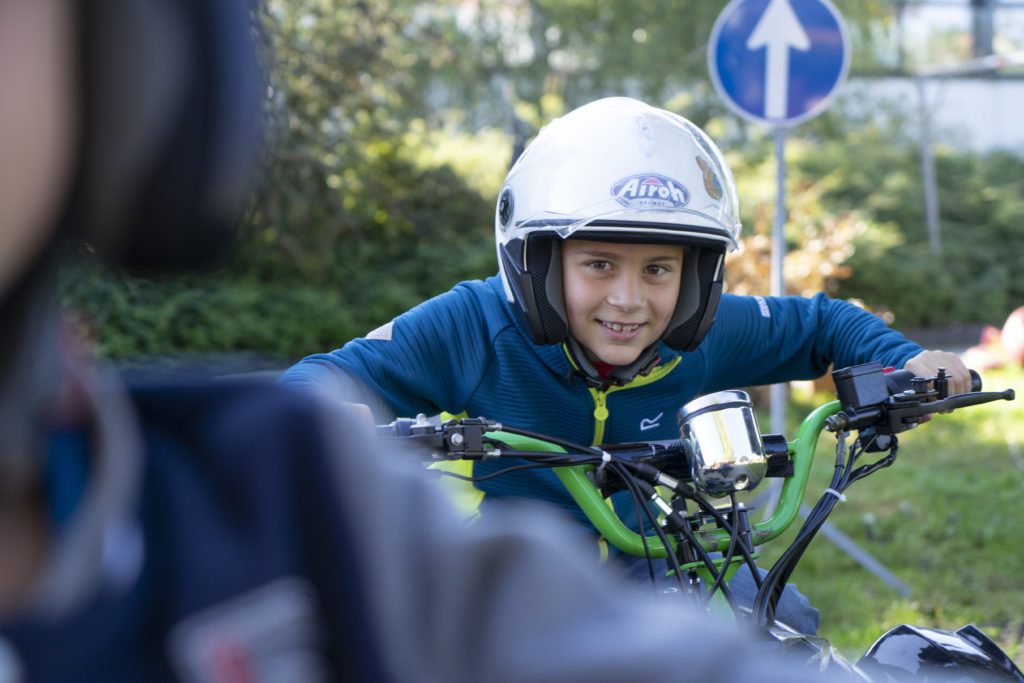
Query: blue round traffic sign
x=778 y=62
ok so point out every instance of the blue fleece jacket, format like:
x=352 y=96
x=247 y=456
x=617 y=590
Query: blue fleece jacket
x=465 y=352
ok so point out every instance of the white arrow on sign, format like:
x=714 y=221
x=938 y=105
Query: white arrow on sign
x=778 y=30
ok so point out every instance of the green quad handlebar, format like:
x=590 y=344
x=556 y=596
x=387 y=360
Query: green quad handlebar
x=873 y=401
x=593 y=504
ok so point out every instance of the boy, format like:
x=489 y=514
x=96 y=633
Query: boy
x=607 y=314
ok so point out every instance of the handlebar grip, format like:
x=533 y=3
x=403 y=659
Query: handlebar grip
x=900 y=380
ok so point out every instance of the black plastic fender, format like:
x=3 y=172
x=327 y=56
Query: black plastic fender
x=916 y=653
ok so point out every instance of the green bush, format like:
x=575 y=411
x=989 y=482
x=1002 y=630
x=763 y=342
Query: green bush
x=979 y=275
x=211 y=313
x=873 y=171
x=422 y=230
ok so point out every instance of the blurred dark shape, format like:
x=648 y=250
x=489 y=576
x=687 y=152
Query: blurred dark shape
x=171 y=113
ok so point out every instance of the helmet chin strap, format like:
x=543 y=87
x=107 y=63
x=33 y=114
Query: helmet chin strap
x=620 y=375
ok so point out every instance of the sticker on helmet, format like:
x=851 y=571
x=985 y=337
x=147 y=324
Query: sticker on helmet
x=711 y=183
x=650 y=191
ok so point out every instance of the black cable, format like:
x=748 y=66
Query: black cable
x=643 y=539
x=748 y=559
x=871 y=468
x=497 y=473
x=549 y=460
x=627 y=478
x=568 y=459
x=768 y=598
x=770 y=593
x=687 y=493
x=629 y=471
x=639 y=501
x=567 y=445
x=709 y=564
x=704 y=557
x=631 y=484
x=732 y=530
x=650 y=475
x=555 y=460
x=744 y=549
x=727 y=559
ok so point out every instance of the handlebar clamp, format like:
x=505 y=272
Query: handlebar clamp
x=464 y=438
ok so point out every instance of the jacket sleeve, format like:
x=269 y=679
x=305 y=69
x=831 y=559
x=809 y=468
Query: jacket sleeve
x=762 y=340
x=426 y=360
x=502 y=602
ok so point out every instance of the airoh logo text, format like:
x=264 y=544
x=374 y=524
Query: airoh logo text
x=649 y=191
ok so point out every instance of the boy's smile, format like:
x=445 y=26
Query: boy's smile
x=619 y=298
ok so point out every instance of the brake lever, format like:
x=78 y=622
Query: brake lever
x=902 y=411
x=899 y=416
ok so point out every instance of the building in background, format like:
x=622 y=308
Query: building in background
x=964 y=61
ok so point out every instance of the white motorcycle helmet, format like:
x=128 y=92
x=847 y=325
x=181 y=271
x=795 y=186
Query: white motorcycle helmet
x=616 y=170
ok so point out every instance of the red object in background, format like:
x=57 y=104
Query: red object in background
x=999 y=347
x=990 y=335
x=1012 y=336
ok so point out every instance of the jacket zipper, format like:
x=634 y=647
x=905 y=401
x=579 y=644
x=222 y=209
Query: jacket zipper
x=601 y=397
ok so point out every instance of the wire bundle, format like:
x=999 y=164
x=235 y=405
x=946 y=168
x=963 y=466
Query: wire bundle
x=843 y=477
x=640 y=481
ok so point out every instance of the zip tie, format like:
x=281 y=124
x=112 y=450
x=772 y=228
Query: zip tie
x=837 y=494
x=606 y=458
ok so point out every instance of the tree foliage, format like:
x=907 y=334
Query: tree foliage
x=538 y=58
x=979 y=274
x=391 y=123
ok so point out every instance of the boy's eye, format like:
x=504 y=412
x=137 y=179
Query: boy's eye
x=656 y=270
x=599 y=265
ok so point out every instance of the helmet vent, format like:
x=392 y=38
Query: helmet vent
x=505 y=206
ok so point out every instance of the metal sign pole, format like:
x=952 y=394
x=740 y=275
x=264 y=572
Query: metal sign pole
x=778 y=280
x=777 y=287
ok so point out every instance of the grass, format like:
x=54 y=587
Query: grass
x=947 y=519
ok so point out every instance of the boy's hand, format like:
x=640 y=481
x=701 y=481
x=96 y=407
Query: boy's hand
x=361 y=412
x=927 y=364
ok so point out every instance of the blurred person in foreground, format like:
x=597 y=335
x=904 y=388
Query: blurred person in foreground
x=219 y=532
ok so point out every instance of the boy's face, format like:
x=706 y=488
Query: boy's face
x=619 y=298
